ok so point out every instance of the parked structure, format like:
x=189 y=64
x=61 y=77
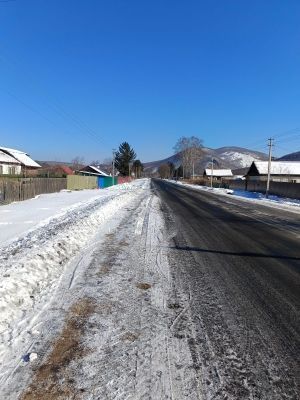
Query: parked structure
x=16 y=162
x=217 y=174
x=281 y=171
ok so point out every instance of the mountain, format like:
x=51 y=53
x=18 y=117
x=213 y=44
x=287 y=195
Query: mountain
x=291 y=157
x=224 y=157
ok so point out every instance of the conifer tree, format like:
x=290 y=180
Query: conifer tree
x=124 y=158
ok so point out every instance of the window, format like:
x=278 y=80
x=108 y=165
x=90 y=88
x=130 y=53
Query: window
x=12 y=170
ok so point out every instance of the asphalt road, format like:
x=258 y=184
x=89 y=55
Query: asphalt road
x=236 y=272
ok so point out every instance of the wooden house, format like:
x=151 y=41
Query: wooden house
x=16 y=162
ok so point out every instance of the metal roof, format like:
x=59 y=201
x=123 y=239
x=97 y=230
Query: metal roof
x=21 y=156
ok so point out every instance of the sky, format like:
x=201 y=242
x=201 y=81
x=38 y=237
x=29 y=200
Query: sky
x=77 y=78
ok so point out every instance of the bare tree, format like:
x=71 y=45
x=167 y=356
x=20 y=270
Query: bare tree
x=189 y=150
x=96 y=163
x=164 y=171
x=107 y=164
x=77 y=163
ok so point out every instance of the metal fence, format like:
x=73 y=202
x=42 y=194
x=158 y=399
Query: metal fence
x=18 y=189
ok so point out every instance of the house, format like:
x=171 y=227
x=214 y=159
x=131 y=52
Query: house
x=17 y=162
x=217 y=174
x=9 y=165
x=55 y=171
x=281 y=171
x=92 y=170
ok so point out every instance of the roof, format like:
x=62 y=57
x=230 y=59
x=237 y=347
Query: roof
x=278 y=167
x=4 y=157
x=21 y=156
x=64 y=168
x=218 y=172
x=96 y=170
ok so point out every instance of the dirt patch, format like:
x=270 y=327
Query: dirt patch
x=143 y=286
x=173 y=306
x=123 y=243
x=104 y=269
x=130 y=336
x=52 y=380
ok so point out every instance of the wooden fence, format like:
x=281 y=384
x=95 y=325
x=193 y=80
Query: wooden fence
x=18 y=189
x=78 y=182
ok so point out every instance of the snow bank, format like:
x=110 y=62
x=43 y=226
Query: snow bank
x=32 y=266
x=253 y=197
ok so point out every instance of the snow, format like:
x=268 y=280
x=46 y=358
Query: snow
x=33 y=261
x=20 y=217
x=218 y=172
x=278 y=167
x=4 y=157
x=21 y=156
x=245 y=160
x=253 y=197
x=97 y=170
x=112 y=251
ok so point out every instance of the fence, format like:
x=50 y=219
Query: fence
x=285 y=189
x=18 y=189
x=79 y=182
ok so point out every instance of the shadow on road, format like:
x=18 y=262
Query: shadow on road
x=232 y=253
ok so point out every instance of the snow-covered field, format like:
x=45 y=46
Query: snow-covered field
x=253 y=197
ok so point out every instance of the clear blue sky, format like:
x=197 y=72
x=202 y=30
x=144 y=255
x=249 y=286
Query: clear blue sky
x=80 y=77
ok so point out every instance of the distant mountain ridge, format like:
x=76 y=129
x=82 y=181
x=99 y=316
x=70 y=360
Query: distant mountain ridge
x=291 y=157
x=231 y=157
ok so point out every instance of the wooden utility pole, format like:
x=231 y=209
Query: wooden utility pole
x=270 y=144
x=113 y=165
x=212 y=172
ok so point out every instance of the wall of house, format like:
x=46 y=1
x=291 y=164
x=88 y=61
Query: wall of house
x=9 y=169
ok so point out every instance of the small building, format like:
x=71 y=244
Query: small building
x=9 y=165
x=92 y=170
x=16 y=162
x=281 y=171
x=217 y=174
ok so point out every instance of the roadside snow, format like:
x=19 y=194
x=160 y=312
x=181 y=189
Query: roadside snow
x=63 y=225
x=252 y=197
x=20 y=217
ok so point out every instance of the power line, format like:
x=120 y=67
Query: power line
x=57 y=108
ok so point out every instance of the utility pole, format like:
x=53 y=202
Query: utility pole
x=113 y=165
x=212 y=172
x=270 y=144
x=193 y=170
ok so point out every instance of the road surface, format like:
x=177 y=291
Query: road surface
x=236 y=274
